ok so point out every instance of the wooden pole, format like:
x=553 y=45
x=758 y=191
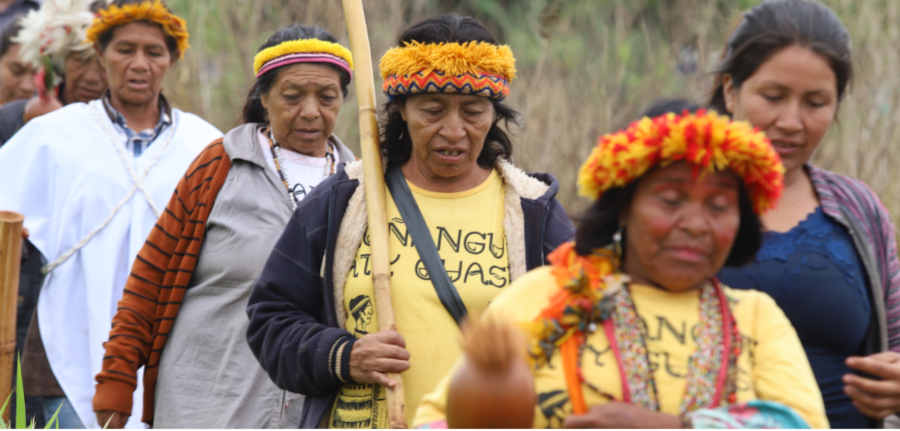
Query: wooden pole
x=373 y=175
x=10 y=256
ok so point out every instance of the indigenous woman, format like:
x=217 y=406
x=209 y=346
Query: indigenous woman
x=828 y=247
x=52 y=41
x=628 y=325
x=211 y=243
x=16 y=75
x=92 y=179
x=313 y=323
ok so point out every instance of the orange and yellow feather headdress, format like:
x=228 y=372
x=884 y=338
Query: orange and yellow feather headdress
x=151 y=10
x=477 y=68
x=709 y=141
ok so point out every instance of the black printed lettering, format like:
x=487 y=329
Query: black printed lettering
x=497 y=251
x=475 y=246
x=596 y=354
x=664 y=323
x=421 y=271
x=353 y=269
x=367 y=269
x=473 y=269
x=395 y=230
x=499 y=273
x=454 y=274
x=443 y=233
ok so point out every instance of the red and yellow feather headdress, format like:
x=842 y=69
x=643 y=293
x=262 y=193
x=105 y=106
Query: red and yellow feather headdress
x=707 y=140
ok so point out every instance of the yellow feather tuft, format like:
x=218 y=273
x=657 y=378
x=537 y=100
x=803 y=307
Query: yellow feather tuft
x=449 y=58
x=150 y=10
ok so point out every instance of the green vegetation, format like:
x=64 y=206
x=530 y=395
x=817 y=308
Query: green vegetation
x=586 y=67
x=20 y=417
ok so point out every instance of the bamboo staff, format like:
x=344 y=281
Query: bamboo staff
x=10 y=255
x=373 y=175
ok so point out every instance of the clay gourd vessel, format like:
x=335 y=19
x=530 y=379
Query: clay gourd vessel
x=493 y=387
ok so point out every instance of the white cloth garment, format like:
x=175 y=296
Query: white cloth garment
x=67 y=172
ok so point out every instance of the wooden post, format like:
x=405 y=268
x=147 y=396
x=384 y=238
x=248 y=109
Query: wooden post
x=373 y=175
x=10 y=256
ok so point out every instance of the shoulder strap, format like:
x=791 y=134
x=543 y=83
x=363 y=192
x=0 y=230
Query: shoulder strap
x=415 y=224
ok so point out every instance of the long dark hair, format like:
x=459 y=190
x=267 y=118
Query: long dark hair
x=253 y=111
x=10 y=32
x=395 y=141
x=106 y=37
x=777 y=24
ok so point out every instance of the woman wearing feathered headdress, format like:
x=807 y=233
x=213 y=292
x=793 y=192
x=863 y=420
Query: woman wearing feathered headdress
x=52 y=41
x=227 y=212
x=92 y=179
x=628 y=326
x=451 y=184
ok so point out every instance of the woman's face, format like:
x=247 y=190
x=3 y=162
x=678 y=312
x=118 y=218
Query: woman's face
x=792 y=97
x=303 y=105
x=85 y=77
x=680 y=227
x=448 y=132
x=136 y=61
x=16 y=76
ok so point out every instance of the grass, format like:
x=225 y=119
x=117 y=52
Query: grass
x=586 y=67
x=21 y=418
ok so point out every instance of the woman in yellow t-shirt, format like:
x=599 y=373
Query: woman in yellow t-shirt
x=628 y=325
x=313 y=315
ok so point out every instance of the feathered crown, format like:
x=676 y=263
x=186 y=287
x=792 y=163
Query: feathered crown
x=477 y=68
x=149 y=10
x=709 y=141
x=54 y=31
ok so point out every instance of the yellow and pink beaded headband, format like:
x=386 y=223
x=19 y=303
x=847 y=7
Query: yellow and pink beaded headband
x=302 y=51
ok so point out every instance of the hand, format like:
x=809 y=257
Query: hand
x=38 y=106
x=622 y=415
x=875 y=397
x=374 y=356
x=111 y=420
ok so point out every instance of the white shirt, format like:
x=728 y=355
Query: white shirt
x=302 y=172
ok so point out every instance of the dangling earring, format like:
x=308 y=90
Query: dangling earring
x=617 y=241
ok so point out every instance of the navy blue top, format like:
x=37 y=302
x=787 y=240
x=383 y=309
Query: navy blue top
x=815 y=275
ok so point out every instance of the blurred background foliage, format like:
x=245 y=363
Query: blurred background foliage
x=585 y=67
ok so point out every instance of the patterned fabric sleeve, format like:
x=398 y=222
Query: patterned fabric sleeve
x=155 y=287
x=855 y=205
x=892 y=275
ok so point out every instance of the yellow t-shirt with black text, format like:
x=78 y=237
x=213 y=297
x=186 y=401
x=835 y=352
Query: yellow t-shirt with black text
x=467 y=229
x=772 y=365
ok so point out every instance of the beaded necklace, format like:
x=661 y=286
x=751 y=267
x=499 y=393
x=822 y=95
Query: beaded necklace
x=275 y=148
x=589 y=296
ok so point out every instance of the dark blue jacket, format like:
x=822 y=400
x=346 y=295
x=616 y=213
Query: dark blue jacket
x=294 y=331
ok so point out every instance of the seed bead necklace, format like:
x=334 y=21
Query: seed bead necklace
x=276 y=148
